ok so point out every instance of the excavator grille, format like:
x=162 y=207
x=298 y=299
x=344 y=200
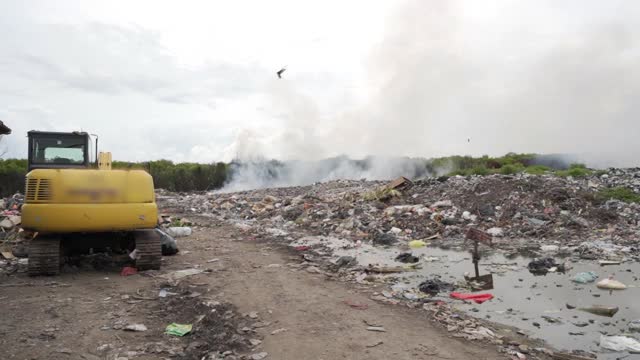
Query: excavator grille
x=38 y=190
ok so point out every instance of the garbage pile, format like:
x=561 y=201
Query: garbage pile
x=544 y=209
x=10 y=214
x=339 y=227
x=12 y=237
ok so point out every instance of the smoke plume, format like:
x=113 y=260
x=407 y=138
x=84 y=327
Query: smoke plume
x=468 y=77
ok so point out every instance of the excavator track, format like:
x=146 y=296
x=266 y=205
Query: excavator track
x=149 y=250
x=44 y=256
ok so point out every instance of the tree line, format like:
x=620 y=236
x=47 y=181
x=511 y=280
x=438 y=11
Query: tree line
x=166 y=175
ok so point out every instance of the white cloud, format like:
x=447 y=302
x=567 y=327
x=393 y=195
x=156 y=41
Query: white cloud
x=185 y=80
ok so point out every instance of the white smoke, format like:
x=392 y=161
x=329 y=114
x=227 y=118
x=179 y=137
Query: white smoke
x=468 y=77
x=267 y=174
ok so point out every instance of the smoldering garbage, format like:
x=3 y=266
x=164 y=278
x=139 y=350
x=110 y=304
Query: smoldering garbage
x=544 y=265
x=444 y=208
x=529 y=215
x=435 y=286
x=407 y=258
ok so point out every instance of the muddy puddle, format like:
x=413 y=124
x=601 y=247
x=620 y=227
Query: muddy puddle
x=537 y=304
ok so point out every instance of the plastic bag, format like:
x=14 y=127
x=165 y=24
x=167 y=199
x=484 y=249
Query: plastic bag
x=611 y=284
x=179 y=231
x=619 y=343
x=585 y=277
x=414 y=244
x=168 y=243
x=634 y=326
x=178 y=329
x=477 y=298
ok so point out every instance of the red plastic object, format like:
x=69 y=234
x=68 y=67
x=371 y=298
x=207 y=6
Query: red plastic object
x=128 y=270
x=356 y=305
x=478 y=298
x=302 y=248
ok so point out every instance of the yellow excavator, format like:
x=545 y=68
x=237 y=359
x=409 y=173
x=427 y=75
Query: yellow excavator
x=71 y=200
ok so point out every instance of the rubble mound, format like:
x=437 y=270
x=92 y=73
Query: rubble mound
x=544 y=208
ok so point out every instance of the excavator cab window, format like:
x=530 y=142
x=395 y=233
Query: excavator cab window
x=50 y=150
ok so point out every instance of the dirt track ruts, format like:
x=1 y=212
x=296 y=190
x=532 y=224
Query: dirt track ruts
x=65 y=322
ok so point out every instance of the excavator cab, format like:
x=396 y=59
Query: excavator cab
x=57 y=150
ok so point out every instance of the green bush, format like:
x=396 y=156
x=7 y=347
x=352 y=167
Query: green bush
x=12 y=172
x=537 y=169
x=510 y=169
x=619 y=193
x=166 y=175
x=576 y=171
x=480 y=170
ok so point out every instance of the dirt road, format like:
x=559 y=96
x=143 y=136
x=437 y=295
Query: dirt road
x=253 y=292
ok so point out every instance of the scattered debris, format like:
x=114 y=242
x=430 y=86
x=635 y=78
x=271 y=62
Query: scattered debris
x=544 y=265
x=608 y=262
x=634 y=326
x=178 y=329
x=168 y=243
x=179 y=231
x=278 y=331
x=601 y=310
x=376 y=328
x=611 y=284
x=255 y=342
x=179 y=274
x=388 y=269
x=435 y=286
x=619 y=343
x=401 y=183
x=477 y=298
x=259 y=356
x=135 y=327
x=415 y=244
x=585 y=277
x=128 y=270
x=531 y=216
x=567 y=356
x=407 y=258
x=356 y=305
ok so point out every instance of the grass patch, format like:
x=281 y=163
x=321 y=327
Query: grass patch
x=619 y=193
x=576 y=171
x=510 y=169
x=537 y=169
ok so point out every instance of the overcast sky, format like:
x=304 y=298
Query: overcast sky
x=195 y=80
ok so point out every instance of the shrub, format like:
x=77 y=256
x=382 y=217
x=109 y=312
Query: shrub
x=537 y=169
x=510 y=169
x=575 y=170
x=619 y=193
x=480 y=170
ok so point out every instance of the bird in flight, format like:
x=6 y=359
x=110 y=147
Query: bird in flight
x=280 y=72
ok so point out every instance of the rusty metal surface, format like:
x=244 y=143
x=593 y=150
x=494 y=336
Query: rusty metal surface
x=479 y=235
x=400 y=183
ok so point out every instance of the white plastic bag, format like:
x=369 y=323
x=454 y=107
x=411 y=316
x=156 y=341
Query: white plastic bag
x=179 y=231
x=611 y=284
x=619 y=343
